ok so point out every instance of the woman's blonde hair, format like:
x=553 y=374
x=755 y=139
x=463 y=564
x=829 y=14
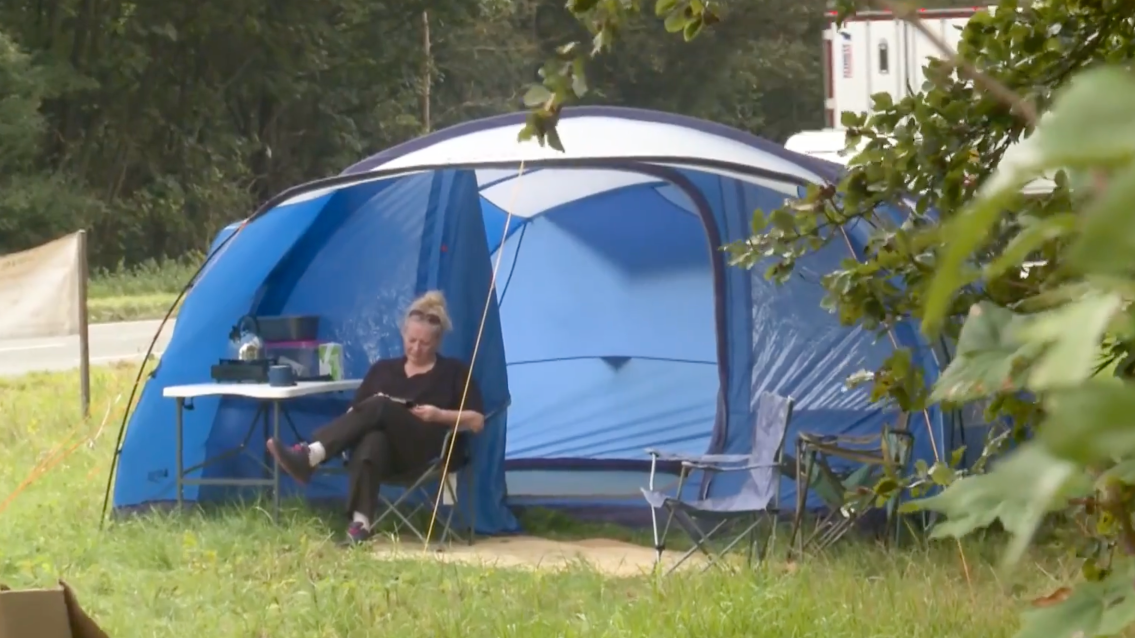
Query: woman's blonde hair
x=431 y=304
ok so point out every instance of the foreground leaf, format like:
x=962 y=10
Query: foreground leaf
x=1090 y=122
x=1018 y=492
x=1093 y=422
x=1090 y=125
x=536 y=95
x=1101 y=608
x=987 y=358
x=1031 y=238
x=1071 y=336
x=1107 y=242
x=988 y=327
x=962 y=236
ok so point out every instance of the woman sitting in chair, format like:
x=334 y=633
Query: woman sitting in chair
x=399 y=418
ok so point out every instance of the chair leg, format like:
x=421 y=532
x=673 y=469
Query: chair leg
x=448 y=531
x=752 y=543
x=759 y=544
x=770 y=540
x=834 y=533
x=806 y=463
x=404 y=519
x=798 y=513
x=700 y=539
x=395 y=507
x=471 y=497
x=719 y=559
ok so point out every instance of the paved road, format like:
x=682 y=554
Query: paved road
x=125 y=341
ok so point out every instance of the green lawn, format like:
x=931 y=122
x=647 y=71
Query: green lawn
x=235 y=574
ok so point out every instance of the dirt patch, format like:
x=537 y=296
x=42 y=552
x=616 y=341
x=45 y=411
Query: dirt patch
x=612 y=557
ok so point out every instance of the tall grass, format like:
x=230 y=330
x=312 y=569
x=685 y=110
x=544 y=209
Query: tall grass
x=150 y=277
x=144 y=291
x=235 y=574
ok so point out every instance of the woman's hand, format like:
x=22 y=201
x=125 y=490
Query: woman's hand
x=427 y=413
x=466 y=420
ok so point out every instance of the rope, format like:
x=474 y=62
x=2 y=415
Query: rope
x=473 y=357
x=58 y=455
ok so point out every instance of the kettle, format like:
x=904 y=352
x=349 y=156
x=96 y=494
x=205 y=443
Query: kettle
x=244 y=340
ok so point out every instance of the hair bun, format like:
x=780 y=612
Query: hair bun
x=433 y=303
x=433 y=300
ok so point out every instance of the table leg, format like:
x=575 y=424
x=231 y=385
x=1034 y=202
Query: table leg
x=275 y=464
x=178 y=448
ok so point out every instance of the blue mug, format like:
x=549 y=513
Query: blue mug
x=281 y=376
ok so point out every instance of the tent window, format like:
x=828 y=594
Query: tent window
x=884 y=58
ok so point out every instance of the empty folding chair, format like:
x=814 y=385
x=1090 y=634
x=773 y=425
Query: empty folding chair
x=757 y=498
x=848 y=494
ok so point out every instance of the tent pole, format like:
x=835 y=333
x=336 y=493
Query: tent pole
x=84 y=329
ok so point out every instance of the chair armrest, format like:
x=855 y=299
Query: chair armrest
x=727 y=467
x=697 y=458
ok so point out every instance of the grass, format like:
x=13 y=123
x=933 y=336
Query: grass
x=145 y=291
x=234 y=574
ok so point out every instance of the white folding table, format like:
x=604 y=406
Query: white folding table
x=268 y=395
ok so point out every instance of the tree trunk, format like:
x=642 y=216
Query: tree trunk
x=427 y=72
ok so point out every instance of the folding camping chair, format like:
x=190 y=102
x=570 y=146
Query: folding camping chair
x=757 y=498
x=848 y=494
x=419 y=485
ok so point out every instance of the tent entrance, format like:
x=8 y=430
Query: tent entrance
x=609 y=314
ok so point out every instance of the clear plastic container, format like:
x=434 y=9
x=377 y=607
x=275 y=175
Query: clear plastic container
x=302 y=356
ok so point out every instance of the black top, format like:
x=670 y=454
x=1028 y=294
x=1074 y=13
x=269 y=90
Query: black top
x=441 y=387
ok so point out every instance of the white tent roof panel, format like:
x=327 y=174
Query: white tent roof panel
x=598 y=137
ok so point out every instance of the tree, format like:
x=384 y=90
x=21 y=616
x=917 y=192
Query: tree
x=1049 y=348
x=153 y=125
x=34 y=202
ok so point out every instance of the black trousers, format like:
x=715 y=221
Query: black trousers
x=384 y=440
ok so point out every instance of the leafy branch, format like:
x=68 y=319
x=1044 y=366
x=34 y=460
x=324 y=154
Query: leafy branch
x=563 y=77
x=1079 y=463
x=1026 y=295
x=909 y=14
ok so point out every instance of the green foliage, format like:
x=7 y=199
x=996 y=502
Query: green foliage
x=752 y=65
x=151 y=277
x=153 y=125
x=1033 y=291
x=1029 y=290
x=31 y=199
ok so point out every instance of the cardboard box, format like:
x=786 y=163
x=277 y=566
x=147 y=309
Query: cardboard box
x=44 y=613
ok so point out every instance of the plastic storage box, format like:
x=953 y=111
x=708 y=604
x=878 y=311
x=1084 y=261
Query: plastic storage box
x=302 y=356
x=291 y=328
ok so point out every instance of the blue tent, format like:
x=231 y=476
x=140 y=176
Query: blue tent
x=616 y=323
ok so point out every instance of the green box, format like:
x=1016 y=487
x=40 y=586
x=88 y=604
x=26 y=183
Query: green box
x=331 y=360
